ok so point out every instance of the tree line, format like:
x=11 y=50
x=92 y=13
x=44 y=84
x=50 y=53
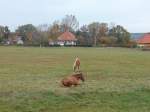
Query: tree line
x=93 y=34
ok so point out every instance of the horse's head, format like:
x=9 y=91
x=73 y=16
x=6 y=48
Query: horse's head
x=80 y=76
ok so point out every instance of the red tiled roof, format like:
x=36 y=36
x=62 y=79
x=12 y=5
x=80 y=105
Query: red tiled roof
x=144 y=40
x=67 y=36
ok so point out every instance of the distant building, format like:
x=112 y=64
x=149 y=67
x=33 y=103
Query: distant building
x=67 y=38
x=144 y=41
x=11 y=39
x=14 y=39
x=51 y=42
x=19 y=41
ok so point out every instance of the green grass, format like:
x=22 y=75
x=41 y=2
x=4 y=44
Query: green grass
x=117 y=80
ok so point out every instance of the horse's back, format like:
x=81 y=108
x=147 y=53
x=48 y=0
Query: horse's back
x=68 y=81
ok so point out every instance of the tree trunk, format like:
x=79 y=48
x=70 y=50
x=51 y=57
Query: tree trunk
x=95 y=41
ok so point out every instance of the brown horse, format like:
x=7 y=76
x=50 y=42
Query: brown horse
x=73 y=80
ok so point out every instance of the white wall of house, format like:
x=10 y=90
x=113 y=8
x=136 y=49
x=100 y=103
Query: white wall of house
x=70 y=43
x=20 y=41
x=62 y=43
x=51 y=43
x=143 y=45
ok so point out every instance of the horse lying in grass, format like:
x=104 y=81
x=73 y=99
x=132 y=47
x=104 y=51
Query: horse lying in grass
x=73 y=80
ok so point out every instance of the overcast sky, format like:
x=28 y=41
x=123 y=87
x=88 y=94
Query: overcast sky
x=134 y=15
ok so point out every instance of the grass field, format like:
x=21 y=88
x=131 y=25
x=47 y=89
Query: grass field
x=117 y=80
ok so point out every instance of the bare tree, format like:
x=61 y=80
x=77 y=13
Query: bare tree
x=41 y=36
x=69 y=23
x=4 y=33
x=43 y=27
x=54 y=30
x=2 y=30
x=103 y=29
x=94 y=31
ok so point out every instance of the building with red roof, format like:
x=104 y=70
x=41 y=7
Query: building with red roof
x=144 y=41
x=67 y=38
